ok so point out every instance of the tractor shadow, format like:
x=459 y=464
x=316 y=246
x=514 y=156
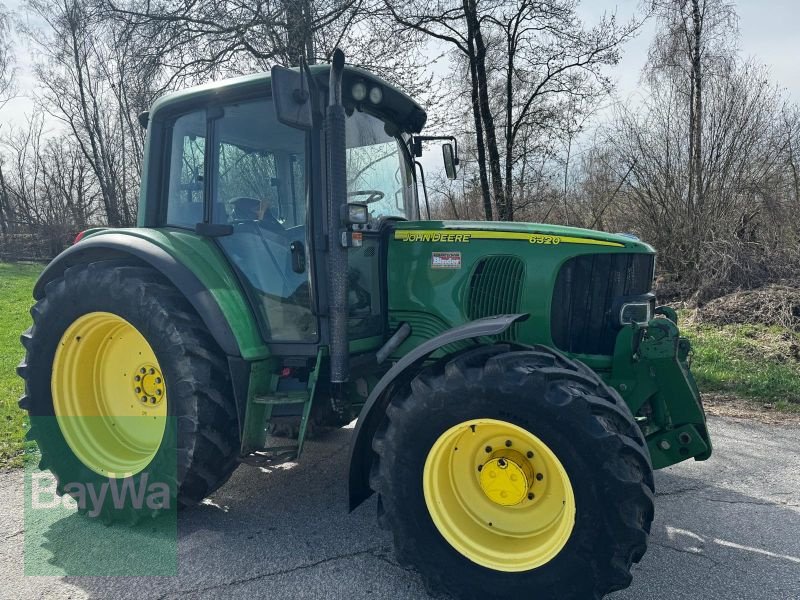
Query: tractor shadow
x=285 y=532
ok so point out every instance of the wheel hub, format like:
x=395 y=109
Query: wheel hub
x=506 y=478
x=113 y=432
x=499 y=495
x=148 y=385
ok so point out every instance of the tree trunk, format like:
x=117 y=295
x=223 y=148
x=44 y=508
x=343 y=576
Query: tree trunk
x=309 y=33
x=566 y=179
x=96 y=159
x=297 y=32
x=792 y=167
x=505 y=212
x=692 y=125
x=479 y=141
x=5 y=207
x=697 y=74
x=509 y=164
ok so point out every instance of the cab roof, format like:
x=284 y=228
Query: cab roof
x=395 y=106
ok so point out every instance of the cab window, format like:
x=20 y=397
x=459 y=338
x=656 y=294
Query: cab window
x=378 y=172
x=186 y=187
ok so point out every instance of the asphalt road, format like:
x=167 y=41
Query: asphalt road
x=728 y=529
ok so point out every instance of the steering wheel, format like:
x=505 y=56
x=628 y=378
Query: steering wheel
x=372 y=195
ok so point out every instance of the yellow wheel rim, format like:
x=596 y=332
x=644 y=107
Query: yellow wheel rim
x=109 y=394
x=499 y=495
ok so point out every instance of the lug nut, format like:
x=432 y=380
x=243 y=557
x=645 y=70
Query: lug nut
x=137 y=378
x=508 y=443
x=530 y=495
x=144 y=398
x=480 y=467
x=152 y=399
x=152 y=371
x=488 y=449
x=530 y=454
x=158 y=392
x=539 y=477
x=142 y=370
x=138 y=390
x=158 y=379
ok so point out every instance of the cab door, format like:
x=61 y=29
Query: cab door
x=258 y=172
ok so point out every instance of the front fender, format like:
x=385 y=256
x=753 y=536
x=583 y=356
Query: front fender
x=374 y=408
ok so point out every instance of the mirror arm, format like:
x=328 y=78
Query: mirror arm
x=313 y=88
x=424 y=188
x=416 y=144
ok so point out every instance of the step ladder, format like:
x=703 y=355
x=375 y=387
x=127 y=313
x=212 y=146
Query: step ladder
x=273 y=455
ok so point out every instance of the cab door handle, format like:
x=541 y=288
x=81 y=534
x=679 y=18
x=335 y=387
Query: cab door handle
x=298 y=251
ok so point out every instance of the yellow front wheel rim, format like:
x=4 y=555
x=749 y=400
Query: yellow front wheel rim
x=499 y=495
x=109 y=394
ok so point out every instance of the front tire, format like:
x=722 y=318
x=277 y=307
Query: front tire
x=123 y=382
x=514 y=473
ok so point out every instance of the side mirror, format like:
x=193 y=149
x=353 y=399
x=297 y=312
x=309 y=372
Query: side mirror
x=449 y=160
x=292 y=98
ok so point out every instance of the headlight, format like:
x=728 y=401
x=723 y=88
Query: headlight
x=633 y=310
x=376 y=95
x=355 y=213
x=359 y=91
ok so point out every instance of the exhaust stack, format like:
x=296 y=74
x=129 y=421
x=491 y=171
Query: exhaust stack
x=337 y=198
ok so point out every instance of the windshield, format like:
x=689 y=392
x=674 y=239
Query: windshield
x=378 y=171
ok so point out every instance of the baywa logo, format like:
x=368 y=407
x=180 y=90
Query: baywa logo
x=92 y=496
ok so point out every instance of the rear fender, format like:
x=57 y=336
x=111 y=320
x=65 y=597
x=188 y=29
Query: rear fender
x=108 y=246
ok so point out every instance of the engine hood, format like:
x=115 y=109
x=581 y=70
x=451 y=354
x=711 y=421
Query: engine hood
x=533 y=233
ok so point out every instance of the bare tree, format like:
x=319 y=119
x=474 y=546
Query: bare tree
x=525 y=58
x=90 y=84
x=7 y=90
x=50 y=188
x=696 y=39
x=730 y=237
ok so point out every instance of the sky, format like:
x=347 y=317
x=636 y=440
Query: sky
x=767 y=28
x=768 y=33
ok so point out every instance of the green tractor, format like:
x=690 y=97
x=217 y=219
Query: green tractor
x=514 y=384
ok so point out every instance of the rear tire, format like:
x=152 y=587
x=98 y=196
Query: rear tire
x=574 y=415
x=199 y=448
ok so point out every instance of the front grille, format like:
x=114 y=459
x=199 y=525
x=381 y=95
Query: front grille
x=495 y=288
x=586 y=287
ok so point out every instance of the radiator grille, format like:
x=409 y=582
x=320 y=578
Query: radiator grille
x=580 y=314
x=495 y=289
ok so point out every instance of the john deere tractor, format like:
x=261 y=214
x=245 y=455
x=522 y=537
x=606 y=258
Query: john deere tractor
x=514 y=384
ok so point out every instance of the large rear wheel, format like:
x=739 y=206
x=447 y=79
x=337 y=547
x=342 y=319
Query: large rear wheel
x=511 y=473
x=124 y=383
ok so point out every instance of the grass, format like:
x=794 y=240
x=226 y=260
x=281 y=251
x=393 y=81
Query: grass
x=755 y=362
x=16 y=283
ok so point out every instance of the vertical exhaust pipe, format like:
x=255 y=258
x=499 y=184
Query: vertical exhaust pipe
x=337 y=197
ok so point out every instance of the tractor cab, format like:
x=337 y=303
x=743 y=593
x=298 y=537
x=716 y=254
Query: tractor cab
x=224 y=163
